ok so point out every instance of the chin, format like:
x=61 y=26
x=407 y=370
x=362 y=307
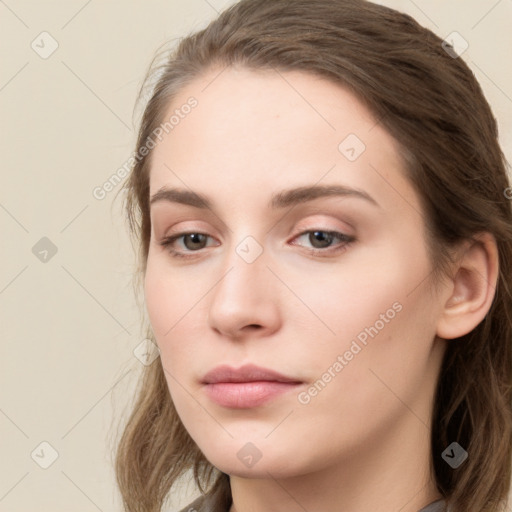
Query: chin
x=248 y=461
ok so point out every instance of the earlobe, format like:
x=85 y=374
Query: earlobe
x=472 y=288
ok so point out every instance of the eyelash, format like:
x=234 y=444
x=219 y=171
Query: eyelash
x=347 y=240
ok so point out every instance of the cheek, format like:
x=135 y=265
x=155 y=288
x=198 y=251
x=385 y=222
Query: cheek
x=339 y=303
x=381 y=318
x=177 y=313
x=385 y=338
x=169 y=296
x=166 y=304
x=160 y=304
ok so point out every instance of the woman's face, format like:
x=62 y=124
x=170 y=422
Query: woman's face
x=329 y=290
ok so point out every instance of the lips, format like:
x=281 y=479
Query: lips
x=246 y=387
x=247 y=373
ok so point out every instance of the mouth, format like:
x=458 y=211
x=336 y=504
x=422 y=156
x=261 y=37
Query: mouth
x=246 y=387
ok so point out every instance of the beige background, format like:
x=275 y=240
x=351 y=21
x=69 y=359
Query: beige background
x=70 y=324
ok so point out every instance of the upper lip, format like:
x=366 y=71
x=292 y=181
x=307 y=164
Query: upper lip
x=246 y=373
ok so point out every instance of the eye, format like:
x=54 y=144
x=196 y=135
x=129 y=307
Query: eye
x=192 y=242
x=322 y=241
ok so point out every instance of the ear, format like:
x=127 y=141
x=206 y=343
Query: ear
x=472 y=288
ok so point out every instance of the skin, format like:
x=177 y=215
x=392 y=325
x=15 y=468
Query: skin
x=363 y=442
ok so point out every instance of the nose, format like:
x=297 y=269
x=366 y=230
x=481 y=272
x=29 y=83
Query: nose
x=245 y=300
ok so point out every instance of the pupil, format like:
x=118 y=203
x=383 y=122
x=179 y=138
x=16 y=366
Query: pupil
x=196 y=238
x=325 y=239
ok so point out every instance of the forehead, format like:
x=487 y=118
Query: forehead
x=254 y=131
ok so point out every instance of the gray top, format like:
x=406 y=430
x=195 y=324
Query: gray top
x=210 y=503
x=436 y=506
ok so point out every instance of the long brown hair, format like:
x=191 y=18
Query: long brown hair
x=430 y=101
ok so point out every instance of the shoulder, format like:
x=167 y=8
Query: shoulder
x=437 y=506
x=198 y=505
x=212 y=502
x=203 y=504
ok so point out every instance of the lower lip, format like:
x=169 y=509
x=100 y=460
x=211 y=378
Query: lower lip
x=243 y=395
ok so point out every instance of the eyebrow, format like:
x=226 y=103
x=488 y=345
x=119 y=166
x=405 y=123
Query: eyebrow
x=282 y=199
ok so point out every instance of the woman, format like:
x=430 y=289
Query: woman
x=320 y=202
